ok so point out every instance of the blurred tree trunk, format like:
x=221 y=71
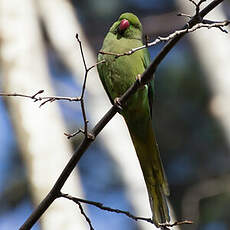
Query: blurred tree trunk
x=115 y=137
x=213 y=50
x=39 y=130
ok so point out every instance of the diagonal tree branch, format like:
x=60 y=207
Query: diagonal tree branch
x=145 y=78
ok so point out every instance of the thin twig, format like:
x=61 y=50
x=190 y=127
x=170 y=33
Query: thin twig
x=176 y=223
x=106 y=208
x=93 y=66
x=184 y=15
x=85 y=66
x=159 y=39
x=70 y=135
x=84 y=214
x=36 y=98
x=101 y=206
x=87 y=134
x=197 y=4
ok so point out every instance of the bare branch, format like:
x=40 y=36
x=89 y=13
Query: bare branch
x=106 y=208
x=87 y=135
x=197 y=4
x=176 y=223
x=84 y=214
x=205 y=24
x=184 y=15
x=91 y=67
x=85 y=66
x=84 y=118
x=70 y=135
x=39 y=92
x=36 y=98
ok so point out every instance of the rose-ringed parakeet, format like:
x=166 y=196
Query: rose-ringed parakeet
x=117 y=75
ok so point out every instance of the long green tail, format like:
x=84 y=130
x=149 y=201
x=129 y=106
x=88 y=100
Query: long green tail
x=144 y=141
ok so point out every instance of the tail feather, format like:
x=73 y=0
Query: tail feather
x=149 y=157
x=158 y=204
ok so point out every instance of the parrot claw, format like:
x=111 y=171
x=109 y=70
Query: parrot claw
x=138 y=78
x=117 y=103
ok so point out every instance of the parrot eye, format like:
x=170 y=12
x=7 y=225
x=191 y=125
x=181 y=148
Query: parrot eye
x=123 y=25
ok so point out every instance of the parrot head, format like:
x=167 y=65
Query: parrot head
x=127 y=26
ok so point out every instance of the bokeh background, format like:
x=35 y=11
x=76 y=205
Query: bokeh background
x=191 y=126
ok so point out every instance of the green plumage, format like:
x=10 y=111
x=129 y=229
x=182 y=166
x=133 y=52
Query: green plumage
x=117 y=75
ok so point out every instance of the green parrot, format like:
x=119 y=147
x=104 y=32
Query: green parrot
x=117 y=75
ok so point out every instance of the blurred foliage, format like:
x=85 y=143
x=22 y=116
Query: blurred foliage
x=191 y=141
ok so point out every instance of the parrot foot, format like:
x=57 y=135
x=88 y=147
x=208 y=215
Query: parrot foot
x=138 y=79
x=117 y=103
